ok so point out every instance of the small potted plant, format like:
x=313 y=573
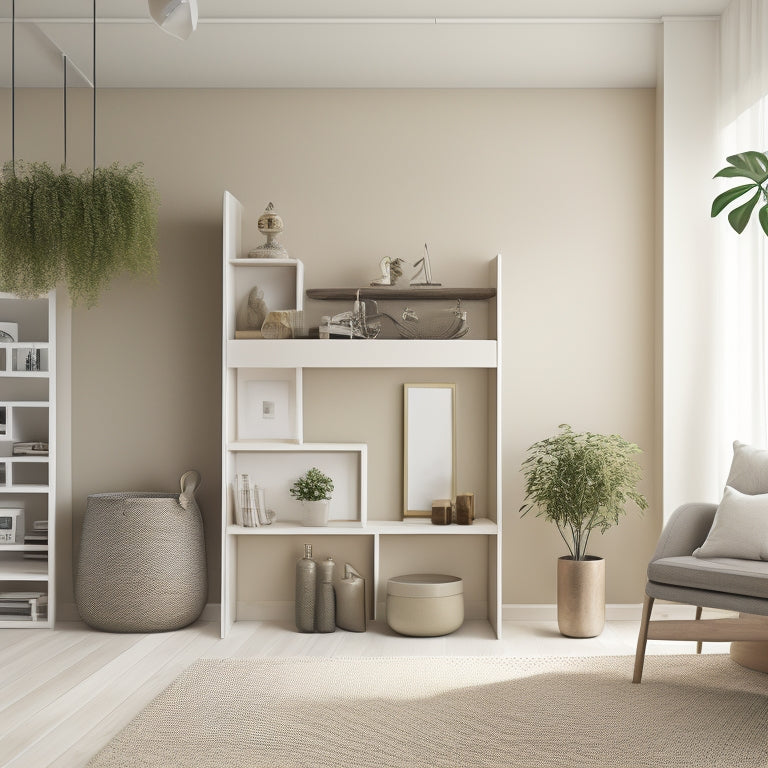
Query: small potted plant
x=579 y=482
x=313 y=490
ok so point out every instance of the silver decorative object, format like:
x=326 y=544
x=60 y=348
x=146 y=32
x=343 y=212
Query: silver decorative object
x=271 y=225
x=364 y=322
x=424 y=274
x=325 y=605
x=350 y=601
x=306 y=588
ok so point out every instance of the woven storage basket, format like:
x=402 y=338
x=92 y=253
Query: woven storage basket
x=142 y=560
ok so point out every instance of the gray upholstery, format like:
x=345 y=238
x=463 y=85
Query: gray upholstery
x=717 y=574
x=727 y=583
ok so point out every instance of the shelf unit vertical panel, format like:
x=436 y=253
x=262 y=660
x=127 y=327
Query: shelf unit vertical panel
x=52 y=451
x=231 y=233
x=495 y=412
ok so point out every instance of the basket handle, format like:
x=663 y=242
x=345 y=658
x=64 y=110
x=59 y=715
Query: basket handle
x=190 y=482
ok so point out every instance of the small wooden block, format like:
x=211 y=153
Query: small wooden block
x=442 y=512
x=465 y=508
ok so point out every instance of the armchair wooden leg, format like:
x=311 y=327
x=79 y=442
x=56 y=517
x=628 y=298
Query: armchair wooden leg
x=642 y=639
x=698 y=617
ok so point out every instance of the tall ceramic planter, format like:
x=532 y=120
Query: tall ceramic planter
x=315 y=513
x=581 y=596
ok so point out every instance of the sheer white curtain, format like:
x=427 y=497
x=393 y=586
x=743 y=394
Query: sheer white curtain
x=742 y=403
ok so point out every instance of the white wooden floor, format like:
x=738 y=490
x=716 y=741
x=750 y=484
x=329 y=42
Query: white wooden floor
x=65 y=693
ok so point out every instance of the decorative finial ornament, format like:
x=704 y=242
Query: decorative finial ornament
x=270 y=225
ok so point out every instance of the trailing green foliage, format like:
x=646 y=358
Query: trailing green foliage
x=312 y=486
x=581 y=481
x=754 y=167
x=83 y=229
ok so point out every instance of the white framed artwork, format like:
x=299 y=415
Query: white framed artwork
x=9 y=333
x=266 y=408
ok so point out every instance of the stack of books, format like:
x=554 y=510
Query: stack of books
x=23 y=606
x=38 y=535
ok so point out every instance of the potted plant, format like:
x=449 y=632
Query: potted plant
x=313 y=490
x=581 y=482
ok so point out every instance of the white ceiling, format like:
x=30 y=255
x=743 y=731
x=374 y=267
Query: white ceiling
x=347 y=43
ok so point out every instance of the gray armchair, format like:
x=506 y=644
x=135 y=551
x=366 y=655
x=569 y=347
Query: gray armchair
x=718 y=582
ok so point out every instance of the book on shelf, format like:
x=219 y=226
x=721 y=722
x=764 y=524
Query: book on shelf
x=29 y=606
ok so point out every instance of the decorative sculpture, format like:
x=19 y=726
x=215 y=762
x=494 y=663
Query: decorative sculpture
x=271 y=225
x=424 y=274
x=391 y=271
x=257 y=309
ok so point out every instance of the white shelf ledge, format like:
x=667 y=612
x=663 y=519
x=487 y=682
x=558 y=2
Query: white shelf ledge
x=24 y=488
x=17 y=569
x=362 y=353
x=413 y=526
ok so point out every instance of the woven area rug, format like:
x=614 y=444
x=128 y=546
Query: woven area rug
x=452 y=712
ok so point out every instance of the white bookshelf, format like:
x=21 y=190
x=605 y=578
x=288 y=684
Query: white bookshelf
x=272 y=461
x=28 y=410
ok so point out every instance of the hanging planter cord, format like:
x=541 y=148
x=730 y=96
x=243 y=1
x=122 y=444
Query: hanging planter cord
x=13 y=86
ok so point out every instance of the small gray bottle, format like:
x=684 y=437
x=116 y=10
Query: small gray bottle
x=306 y=588
x=325 y=607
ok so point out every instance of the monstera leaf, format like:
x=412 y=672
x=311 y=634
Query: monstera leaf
x=752 y=166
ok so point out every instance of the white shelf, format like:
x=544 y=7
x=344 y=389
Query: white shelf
x=265 y=447
x=362 y=353
x=264 y=262
x=30 y=416
x=23 y=547
x=25 y=374
x=24 y=488
x=19 y=569
x=412 y=526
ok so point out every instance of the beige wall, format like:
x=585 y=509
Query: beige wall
x=560 y=182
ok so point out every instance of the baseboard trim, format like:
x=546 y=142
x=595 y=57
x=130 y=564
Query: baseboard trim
x=613 y=611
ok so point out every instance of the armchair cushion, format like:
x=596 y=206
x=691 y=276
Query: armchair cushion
x=719 y=574
x=740 y=528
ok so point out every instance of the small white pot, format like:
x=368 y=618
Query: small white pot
x=315 y=512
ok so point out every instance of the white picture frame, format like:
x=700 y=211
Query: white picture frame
x=266 y=408
x=9 y=333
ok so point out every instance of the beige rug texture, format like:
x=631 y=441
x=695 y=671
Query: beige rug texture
x=703 y=711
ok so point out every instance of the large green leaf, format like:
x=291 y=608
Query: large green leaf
x=739 y=217
x=757 y=162
x=729 y=172
x=727 y=197
x=762 y=215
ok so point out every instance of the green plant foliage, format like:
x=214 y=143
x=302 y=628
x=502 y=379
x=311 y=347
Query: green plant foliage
x=746 y=165
x=581 y=481
x=83 y=229
x=312 y=486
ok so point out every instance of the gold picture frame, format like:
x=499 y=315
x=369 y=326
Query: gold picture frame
x=429 y=446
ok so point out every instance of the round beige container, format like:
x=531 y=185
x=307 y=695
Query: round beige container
x=425 y=604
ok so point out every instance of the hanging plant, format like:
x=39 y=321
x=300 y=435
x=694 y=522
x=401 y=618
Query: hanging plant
x=84 y=229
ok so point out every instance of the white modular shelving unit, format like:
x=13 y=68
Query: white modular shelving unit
x=280 y=454
x=28 y=415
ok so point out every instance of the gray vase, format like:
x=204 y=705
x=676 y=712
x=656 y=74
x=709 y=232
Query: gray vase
x=325 y=605
x=350 y=601
x=306 y=590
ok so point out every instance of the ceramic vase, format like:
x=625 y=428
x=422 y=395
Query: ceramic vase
x=315 y=513
x=581 y=596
